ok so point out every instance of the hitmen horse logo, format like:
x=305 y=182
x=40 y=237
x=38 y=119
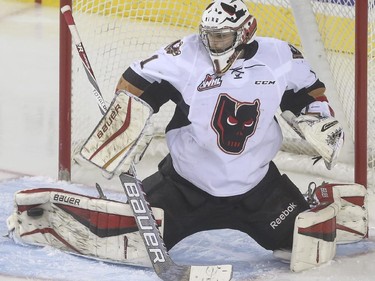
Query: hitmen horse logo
x=234 y=122
x=174 y=48
x=234 y=14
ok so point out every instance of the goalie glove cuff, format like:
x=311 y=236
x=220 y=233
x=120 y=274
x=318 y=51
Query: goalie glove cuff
x=320 y=108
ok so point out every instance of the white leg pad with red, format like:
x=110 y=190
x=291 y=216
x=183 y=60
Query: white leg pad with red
x=352 y=220
x=340 y=217
x=82 y=225
x=314 y=240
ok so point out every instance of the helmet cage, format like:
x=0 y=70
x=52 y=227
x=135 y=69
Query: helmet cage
x=225 y=57
x=220 y=34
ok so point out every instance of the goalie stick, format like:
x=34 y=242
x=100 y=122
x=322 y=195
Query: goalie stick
x=68 y=16
x=163 y=265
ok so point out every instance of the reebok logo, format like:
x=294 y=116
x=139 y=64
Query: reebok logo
x=284 y=214
x=325 y=127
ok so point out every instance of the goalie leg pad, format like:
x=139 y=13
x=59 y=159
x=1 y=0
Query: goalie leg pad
x=97 y=228
x=341 y=217
x=314 y=239
x=352 y=218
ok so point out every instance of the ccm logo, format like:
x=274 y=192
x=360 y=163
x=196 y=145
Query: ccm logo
x=262 y=82
x=284 y=214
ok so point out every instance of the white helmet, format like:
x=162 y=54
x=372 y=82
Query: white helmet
x=225 y=28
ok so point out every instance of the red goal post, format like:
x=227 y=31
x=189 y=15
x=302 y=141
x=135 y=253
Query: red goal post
x=115 y=33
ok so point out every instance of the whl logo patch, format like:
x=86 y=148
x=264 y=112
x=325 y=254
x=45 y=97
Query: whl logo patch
x=209 y=82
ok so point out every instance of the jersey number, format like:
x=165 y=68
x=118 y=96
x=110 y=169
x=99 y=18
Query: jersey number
x=154 y=57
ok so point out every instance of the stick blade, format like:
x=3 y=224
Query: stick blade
x=212 y=273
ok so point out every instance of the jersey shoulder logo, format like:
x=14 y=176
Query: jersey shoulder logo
x=210 y=81
x=174 y=48
x=234 y=122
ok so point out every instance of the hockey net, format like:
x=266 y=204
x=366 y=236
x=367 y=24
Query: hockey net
x=115 y=33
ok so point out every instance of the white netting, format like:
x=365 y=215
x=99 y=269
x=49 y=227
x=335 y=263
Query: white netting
x=117 y=32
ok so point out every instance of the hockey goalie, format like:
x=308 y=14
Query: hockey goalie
x=105 y=229
x=228 y=85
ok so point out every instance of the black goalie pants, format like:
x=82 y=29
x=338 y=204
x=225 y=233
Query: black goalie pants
x=266 y=213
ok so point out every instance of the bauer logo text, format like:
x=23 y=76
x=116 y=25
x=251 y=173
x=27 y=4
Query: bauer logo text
x=66 y=199
x=108 y=121
x=145 y=222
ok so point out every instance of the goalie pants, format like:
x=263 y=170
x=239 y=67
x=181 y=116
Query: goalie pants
x=266 y=213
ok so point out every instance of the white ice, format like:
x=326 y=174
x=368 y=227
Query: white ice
x=28 y=158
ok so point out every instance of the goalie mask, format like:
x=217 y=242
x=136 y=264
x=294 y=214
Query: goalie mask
x=226 y=27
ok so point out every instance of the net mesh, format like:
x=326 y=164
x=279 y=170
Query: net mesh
x=116 y=33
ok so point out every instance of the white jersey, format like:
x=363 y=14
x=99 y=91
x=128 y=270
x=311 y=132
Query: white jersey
x=232 y=133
